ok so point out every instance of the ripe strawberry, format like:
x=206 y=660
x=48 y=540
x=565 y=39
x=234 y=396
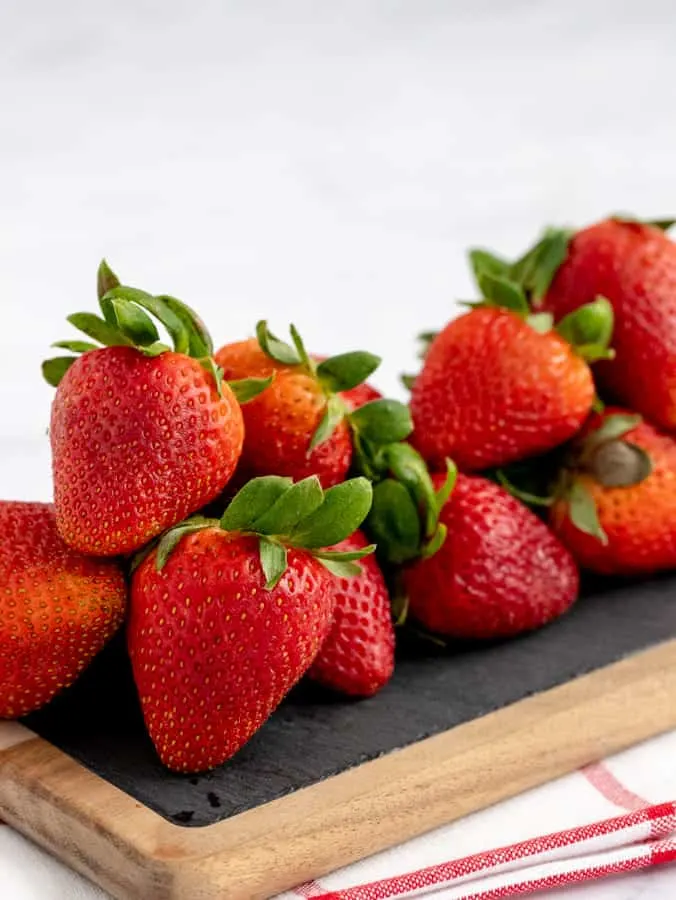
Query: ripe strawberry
x=357 y=658
x=57 y=611
x=634 y=266
x=141 y=436
x=499 y=572
x=616 y=510
x=493 y=390
x=226 y=617
x=361 y=395
x=305 y=422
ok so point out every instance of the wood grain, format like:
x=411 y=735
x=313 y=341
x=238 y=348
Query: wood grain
x=136 y=855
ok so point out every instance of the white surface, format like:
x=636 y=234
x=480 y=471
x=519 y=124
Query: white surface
x=319 y=162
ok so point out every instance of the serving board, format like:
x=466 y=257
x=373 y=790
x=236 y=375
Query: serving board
x=329 y=781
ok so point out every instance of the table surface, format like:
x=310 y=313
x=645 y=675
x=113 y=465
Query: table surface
x=326 y=164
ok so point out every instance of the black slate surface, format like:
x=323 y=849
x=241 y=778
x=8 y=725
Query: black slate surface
x=313 y=736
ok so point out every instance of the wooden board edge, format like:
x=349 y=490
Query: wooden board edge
x=88 y=822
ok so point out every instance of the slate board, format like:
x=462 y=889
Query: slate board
x=313 y=735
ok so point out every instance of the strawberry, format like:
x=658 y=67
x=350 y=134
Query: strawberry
x=616 y=502
x=305 y=422
x=361 y=395
x=141 y=436
x=58 y=608
x=633 y=265
x=227 y=616
x=499 y=572
x=357 y=658
x=495 y=387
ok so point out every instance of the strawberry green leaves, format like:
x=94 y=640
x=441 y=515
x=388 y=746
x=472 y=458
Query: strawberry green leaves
x=519 y=285
x=278 y=350
x=128 y=319
x=404 y=517
x=284 y=515
x=334 y=375
x=347 y=370
x=382 y=421
x=54 y=369
x=589 y=329
x=662 y=224
x=535 y=270
x=583 y=513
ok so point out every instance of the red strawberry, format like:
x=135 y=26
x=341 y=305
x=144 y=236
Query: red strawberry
x=357 y=658
x=304 y=423
x=617 y=512
x=634 y=266
x=493 y=390
x=141 y=436
x=499 y=572
x=226 y=618
x=57 y=611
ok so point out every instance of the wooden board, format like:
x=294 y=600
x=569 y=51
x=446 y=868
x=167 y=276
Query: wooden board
x=134 y=852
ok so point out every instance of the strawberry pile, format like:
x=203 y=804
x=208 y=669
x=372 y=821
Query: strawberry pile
x=259 y=514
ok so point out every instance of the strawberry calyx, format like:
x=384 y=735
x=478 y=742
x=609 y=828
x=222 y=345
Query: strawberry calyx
x=379 y=422
x=662 y=224
x=284 y=515
x=606 y=453
x=128 y=319
x=404 y=517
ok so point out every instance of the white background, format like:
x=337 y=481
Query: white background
x=321 y=162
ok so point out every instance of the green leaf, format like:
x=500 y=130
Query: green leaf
x=76 y=346
x=273 y=559
x=662 y=224
x=155 y=349
x=291 y=508
x=253 y=501
x=589 y=328
x=408 y=467
x=209 y=365
x=613 y=427
x=344 y=508
x=135 y=323
x=347 y=555
x=408 y=381
x=504 y=293
x=274 y=348
x=436 y=543
x=394 y=522
x=333 y=415
x=541 y=322
x=170 y=540
x=583 y=513
x=341 y=569
x=106 y=280
x=200 y=343
x=598 y=406
x=246 y=389
x=347 y=370
x=159 y=309
x=535 y=270
x=300 y=347
x=426 y=339
x=483 y=262
x=53 y=370
x=382 y=421
x=525 y=496
x=100 y=330
x=446 y=489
